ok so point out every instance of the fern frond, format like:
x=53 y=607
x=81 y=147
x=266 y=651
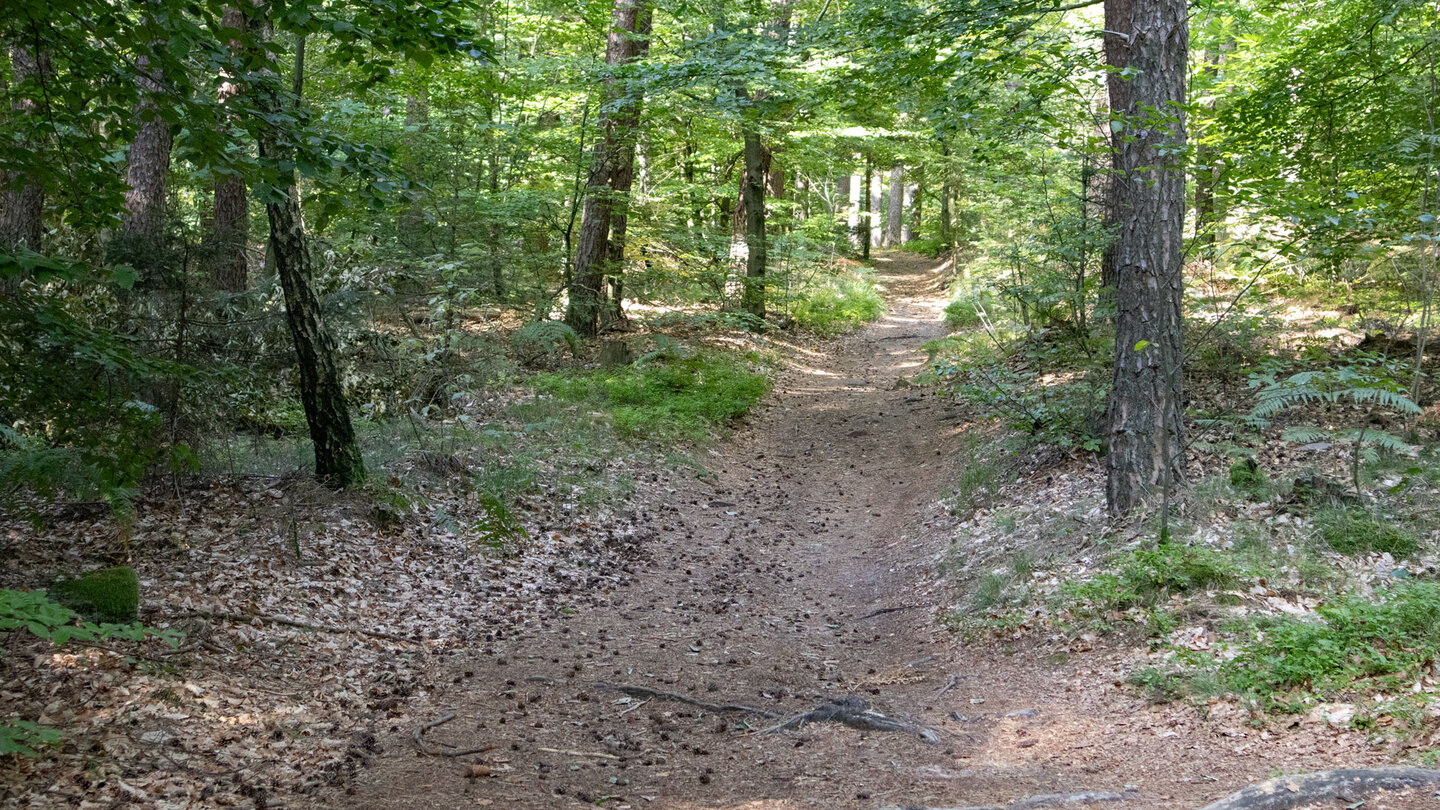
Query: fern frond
x=1305 y=433
x=1382 y=397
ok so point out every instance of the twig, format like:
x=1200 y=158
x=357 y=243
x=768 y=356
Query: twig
x=440 y=721
x=569 y=753
x=246 y=618
x=872 y=614
x=632 y=708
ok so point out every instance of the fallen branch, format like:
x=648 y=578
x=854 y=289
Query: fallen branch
x=246 y=618
x=1348 y=784
x=645 y=693
x=429 y=752
x=856 y=713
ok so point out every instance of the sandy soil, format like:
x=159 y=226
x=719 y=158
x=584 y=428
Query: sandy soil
x=764 y=589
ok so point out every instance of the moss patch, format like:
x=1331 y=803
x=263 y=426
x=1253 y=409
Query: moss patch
x=109 y=594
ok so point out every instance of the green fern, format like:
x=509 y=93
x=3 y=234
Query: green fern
x=1369 y=383
x=543 y=339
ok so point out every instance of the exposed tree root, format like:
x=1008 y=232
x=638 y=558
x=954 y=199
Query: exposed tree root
x=1348 y=784
x=856 y=713
x=428 y=751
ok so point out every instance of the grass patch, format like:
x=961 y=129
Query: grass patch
x=1388 y=643
x=1355 y=531
x=668 y=399
x=839 y=305
x=1147 y=576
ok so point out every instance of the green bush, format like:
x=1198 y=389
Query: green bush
x=964 y=310
x=1394 y=639
x=838 y=306
x=109 y=594
x=666 y=398
x=1355 y=531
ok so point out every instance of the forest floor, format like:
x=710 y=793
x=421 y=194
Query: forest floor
x=655 y=651
x=801 y=574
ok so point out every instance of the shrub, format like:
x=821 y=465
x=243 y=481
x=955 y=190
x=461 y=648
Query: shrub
x=1355 y=531
x=966 y=308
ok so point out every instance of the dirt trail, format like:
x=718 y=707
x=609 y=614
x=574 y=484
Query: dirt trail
x=764 y=589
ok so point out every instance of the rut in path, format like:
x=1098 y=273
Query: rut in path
x=798 y=580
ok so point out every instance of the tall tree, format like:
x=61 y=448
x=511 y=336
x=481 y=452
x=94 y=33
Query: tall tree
x=1118 y=37
x=22 y=199
x=866 y=213
x=230 y=218
x=147 y=168
x=623 y=178
x=338 y=461
x=895 y=215
x=587 y=278
x=757 y=172
x=1146 y=454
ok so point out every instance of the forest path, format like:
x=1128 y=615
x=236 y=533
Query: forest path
x=763 y=590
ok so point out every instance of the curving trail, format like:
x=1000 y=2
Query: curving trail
x=797 y=578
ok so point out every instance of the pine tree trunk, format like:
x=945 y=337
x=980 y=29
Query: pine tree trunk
x=338 y=462
x=587 y=279
x=894 y=219
x=147 y=170
x=1147 y=452
x=22 y=201
x=230 y=219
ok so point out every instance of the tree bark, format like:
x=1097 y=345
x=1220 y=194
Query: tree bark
x=22 y=199
x=587 y=279
x=147 y=170
x=1118 y=33
x=1147 y=454
x=866 y=213
x=752 y=196
x=230 y=219
x=623 y=177
x=894 y=219
x=338 y=462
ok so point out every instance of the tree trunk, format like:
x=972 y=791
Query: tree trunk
x=412 y=216
x=230 y=219
x=866 y=213
x=752 y=195
x=917 y=204
x=338 y=461
x=1207 y=174
x=623 y=177
x=1118 y=35
x=587 y=279
x=1147 y=453
x=894 y=219
x=22 y=200
x=147 y=170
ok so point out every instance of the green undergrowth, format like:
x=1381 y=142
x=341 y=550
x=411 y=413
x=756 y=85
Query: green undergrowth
x=666 y=398
x=839 y=305
x=1146 y=577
